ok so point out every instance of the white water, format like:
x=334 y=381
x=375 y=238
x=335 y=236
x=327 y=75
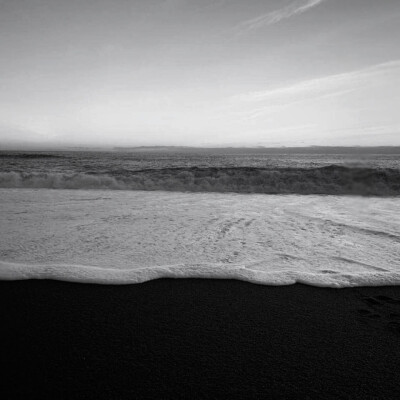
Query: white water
x=121 y=237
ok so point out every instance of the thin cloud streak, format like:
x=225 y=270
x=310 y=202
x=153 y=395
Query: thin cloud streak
x=271 y=18
x=319 y=85
x=312 y=89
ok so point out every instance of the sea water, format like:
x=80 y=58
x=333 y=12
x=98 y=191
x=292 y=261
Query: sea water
x=200 y=215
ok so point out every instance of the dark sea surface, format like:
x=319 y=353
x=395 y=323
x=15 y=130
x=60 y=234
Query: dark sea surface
x=358 y=171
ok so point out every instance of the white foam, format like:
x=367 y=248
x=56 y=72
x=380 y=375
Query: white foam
x=109 y=276
x=132 y=237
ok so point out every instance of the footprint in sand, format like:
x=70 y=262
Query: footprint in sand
x=384 y=309
x=386 y=299
x=372 y=301
x=394 y=326
x=368 y=314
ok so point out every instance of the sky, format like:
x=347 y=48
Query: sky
x=199 y=72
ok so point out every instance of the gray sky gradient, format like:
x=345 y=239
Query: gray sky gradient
x=200 y=73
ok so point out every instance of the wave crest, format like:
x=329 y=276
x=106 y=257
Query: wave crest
x=334 y=180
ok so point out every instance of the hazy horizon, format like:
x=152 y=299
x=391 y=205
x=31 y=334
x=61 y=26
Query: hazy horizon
x=312 y=149
x=216 y=73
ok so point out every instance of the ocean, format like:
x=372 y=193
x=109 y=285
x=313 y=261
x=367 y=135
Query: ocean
x=323 y=217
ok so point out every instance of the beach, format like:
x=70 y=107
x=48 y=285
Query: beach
x=199 y=200
x=142 y=294
x=198 y=338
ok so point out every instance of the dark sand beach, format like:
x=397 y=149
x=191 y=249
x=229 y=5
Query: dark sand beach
x=202 y=339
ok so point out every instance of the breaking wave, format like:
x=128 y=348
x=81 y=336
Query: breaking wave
x=333 y=180
x=108 y=276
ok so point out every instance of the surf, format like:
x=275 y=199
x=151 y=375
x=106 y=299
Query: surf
x=329 y=180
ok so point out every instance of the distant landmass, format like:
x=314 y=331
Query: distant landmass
x=262 y=149
x=209 y=150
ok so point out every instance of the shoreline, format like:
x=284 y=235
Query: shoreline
x=197 y=338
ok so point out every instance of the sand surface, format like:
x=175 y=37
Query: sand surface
x=196 y=338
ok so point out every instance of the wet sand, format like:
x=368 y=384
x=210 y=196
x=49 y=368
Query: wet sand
x=196 y=338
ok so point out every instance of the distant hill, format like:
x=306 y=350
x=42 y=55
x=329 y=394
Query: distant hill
x=264 y=150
